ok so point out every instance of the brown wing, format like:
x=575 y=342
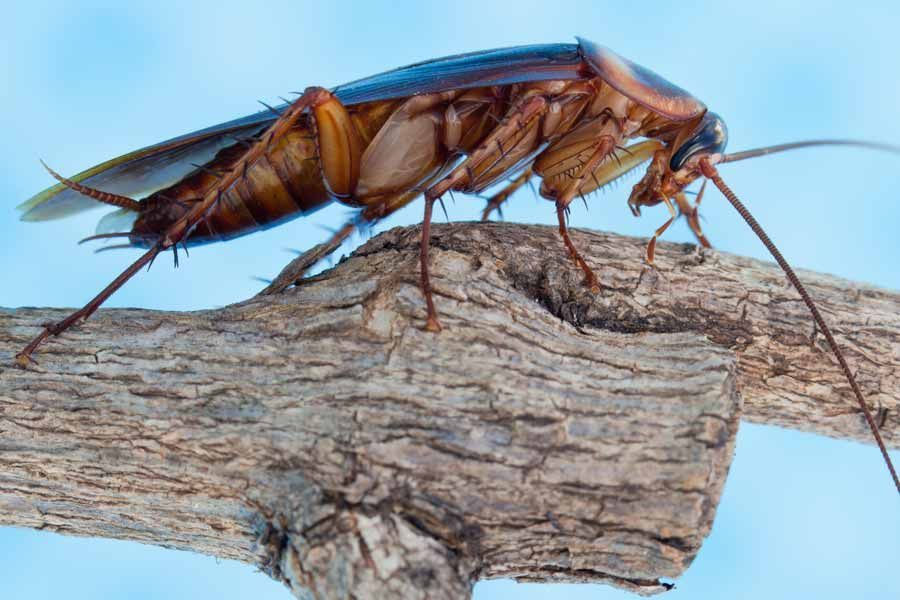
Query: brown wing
x=137 y=173
x=156 y=167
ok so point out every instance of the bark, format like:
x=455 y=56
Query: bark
x=546 y=434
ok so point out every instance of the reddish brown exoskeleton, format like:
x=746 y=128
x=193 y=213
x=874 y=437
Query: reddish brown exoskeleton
x=560 y=112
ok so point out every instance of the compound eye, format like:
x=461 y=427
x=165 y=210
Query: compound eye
x=710 y=137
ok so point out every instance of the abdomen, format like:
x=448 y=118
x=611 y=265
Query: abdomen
x=285 y=183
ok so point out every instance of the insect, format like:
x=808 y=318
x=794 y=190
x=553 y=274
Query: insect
x=576 y=116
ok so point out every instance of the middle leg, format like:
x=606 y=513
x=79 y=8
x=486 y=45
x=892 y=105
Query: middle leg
x=601 y=149
x=513 y=135
x=496 y=201
x=604 y=149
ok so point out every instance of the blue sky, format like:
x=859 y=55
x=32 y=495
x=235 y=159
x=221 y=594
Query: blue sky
x=801 y=516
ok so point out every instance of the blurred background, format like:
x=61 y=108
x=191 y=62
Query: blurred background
x=801 y=516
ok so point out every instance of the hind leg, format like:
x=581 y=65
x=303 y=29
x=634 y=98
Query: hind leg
x=297 y=268
x=180 y=230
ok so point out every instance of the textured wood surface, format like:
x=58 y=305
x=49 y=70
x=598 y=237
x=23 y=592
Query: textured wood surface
x=547 y=434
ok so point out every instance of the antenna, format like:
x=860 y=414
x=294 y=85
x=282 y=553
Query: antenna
x=710 y=171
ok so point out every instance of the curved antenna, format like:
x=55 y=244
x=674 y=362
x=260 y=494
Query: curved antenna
x=709 y=171
x=100 y=196
x=736 y=156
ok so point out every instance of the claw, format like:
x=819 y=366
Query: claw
x=432 y=325
x=24 y=361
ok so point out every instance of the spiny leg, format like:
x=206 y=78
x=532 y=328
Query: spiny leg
x=494 y=147
x=651 y=245
x=605 y=146
x=496 y=201
x=311 y=98
x=181 y=229
x=590 y=279
x=691 y=213
x=297 y=268
x=23 y=358
x=431 y=322
x=461 y=176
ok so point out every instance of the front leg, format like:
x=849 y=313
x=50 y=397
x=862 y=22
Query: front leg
x=692 y=214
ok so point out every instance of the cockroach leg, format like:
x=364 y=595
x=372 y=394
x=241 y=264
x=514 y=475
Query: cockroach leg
x=463 y=176
x=692 y=214
x=605 y=145
x=297 y=268
x=312 y=98
x=431 y=324
x=651 y=245
x=590 y=278
x=604 y=148
x=496 y=201
x=23 y=358
x=181 y=229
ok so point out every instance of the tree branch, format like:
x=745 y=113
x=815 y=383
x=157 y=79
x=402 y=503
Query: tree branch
x=546 y=434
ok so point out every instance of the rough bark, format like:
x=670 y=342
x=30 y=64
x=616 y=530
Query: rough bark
x=547 y=434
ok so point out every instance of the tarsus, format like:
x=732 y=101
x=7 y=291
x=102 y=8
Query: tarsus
x=181 y=229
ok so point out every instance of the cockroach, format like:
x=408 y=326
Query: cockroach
x=563 y=113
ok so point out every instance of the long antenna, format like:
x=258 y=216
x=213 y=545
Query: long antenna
x=736 y=156
x=710 y=171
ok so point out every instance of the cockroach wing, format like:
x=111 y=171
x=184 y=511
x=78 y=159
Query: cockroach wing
x=143 y=171
x=503 y=66
x=640 y=83
x=161 y=165
x=118 y=221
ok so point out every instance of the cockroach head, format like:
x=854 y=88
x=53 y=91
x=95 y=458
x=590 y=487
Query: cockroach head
x=708 y=138
x=678 y=165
